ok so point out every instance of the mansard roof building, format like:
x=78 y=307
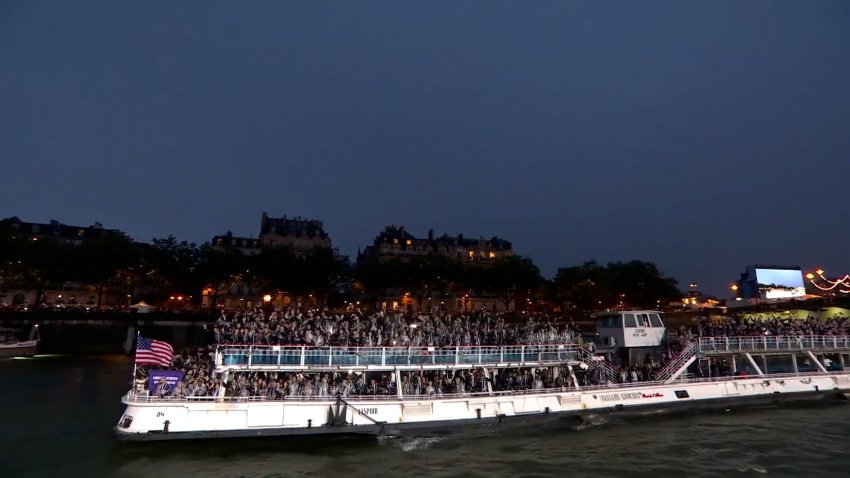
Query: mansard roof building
x=298 y=234
x=245 y=245
x=61 y=232
x=396 y=243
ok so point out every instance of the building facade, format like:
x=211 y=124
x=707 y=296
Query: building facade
x=71 y=294
x=246 y=245
x=74 y=235
x=299 y=235
x=395 y=242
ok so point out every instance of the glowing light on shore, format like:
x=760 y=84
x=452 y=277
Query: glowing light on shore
x=838 y=285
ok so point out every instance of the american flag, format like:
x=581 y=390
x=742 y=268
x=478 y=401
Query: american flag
x=157 y=352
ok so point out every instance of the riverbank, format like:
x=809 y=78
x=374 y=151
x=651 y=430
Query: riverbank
x=109 y=333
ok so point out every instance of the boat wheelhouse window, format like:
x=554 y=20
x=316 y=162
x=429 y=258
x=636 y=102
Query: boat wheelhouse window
x=656 y=320
x=642 y=320
x=610 y=322
x=630 y=320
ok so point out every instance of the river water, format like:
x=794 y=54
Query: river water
x=57 y=413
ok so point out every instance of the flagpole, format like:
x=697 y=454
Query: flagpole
x=133 y=381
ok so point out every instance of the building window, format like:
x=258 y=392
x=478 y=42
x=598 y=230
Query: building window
x=408 y=242
x=492 y=255
x=471 y=254
x=395 y=241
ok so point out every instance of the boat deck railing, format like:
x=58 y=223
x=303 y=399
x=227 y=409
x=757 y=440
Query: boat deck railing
x=773 y=343
x=317 y=357
x=136 y=397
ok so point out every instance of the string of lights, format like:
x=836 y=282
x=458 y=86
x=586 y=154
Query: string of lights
x=838 y=285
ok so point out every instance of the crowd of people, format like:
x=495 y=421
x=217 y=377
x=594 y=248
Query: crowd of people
x=199 y=378
x=771 y=326
x=319 y=328
x=433 y=383
x=322 y=329
x=647 y=372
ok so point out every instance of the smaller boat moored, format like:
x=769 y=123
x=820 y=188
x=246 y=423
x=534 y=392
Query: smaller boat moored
x=12 y=346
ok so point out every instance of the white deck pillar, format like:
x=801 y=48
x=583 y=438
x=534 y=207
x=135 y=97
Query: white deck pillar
x=754 y=364
x=816 y=361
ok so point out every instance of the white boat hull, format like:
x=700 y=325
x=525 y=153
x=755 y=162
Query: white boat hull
x=19 y=349
x=165 y=419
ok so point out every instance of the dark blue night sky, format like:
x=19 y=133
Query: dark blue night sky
x=703 y=136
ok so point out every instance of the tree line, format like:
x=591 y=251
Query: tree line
x=167 y=267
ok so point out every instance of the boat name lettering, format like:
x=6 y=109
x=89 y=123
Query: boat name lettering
x=367 y=411
x=621 y=396
x=652 y=395
x=160 y=414
x=639 y=333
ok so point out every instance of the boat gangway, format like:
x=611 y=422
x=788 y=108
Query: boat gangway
x=751 y=348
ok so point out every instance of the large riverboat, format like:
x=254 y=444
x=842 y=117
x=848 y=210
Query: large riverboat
x=751 y=370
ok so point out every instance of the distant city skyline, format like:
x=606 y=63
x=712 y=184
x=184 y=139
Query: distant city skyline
x=701 y=136
x=781 y=276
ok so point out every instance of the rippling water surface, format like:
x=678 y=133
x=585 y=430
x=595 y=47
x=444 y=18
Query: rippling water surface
x=57 y=412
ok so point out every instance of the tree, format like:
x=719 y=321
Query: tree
x=636 y=283
x=104 y=261
x=583 y=286
x=221 y=269
x=172 y=267
x=36 y=263
x=325 y=273
x=425 y=276
x=278 y=269
x=641 y=284
x=510 y=276
x=376 y=278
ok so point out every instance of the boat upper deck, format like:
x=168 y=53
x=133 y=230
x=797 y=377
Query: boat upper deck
x=280 y=357
x=773 y=344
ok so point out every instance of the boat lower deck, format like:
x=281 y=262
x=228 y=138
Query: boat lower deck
x=150 y=419
x=500 y=424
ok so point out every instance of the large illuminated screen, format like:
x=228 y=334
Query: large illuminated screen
x=780 y=283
